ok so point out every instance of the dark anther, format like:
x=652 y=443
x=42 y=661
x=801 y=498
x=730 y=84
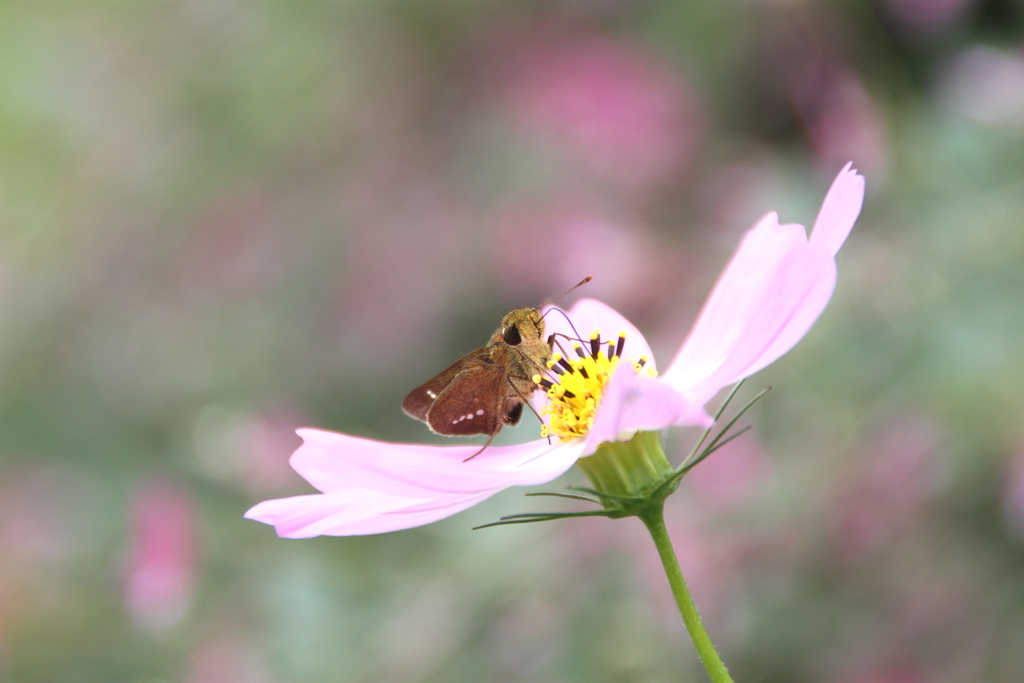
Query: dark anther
x=622 y=343
x=579 y=351
x=565 y=364
x=583 y=371
x=511 y=336
x=595 y=347
x=642 y=362
x=569 y=394
x=546 y=383
x=557 y=370
x=611 y=350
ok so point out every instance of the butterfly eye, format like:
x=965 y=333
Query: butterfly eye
x=511 y=336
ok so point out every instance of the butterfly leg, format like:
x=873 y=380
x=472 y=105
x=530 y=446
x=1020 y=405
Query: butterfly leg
x=524 y=399
x=513 y=414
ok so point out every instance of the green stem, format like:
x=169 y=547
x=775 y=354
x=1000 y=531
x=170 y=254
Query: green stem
x=654 y=518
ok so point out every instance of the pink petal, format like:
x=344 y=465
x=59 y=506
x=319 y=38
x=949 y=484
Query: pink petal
x=781 y=300
x=811 y=303
x=768 y=297
x=342 y=514
x=633 y=403
x=589 y=314
x=839 y=210
x=812 y=285
x=371 y=486
x=737 y=296
x=312 y=515
x=334 y=462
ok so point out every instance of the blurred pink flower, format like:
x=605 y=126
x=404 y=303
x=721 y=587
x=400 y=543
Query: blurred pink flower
x=802 y=67
x=401 y=221
x=730 y=479
x=46 y=514
x=268 y=439
x=6 y=608
x=734 y=193
x=614 y=107
x=248 y=449
x=885 y=673
x=927 y=17
x=238 y=245
x=774 y=288
x=635 y=268
x=229 y=659
x=161 y=572
x=896 y=477
x=985 y=85
x=841 y=119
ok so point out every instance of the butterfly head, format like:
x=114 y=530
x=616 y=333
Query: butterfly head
x=521 y=326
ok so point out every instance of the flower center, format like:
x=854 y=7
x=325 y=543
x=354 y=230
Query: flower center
x=576 y=385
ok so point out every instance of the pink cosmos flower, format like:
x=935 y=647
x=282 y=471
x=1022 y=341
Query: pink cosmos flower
x=162 y=567
x=615 y=108
x=774 y=288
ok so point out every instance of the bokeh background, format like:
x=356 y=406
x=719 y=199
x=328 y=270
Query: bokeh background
x=221 y=220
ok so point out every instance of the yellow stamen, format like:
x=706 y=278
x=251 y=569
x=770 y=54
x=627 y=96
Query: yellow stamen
x=574 y=396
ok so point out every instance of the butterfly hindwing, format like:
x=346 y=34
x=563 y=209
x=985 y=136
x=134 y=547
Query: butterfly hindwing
x=470 y=404
x=421 y=399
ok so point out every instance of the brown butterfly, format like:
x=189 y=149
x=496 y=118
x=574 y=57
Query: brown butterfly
x=485 y=390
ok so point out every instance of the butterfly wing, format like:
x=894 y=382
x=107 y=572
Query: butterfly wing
x=421 y=399
x=470 y=404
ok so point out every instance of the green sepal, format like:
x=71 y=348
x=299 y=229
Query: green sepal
x=629 y=475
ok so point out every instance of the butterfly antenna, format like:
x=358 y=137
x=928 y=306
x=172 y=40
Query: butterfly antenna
x=582 y=282
x=566 y=316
